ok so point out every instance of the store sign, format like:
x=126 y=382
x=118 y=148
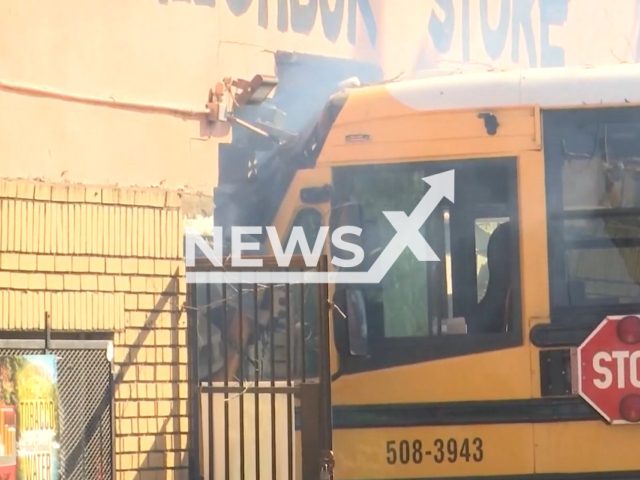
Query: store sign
x=533 y=33
x=29 y=418
x=513 y=22
x=335 y=17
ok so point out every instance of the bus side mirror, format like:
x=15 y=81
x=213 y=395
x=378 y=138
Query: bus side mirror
x=316 y=195
x=357 y=323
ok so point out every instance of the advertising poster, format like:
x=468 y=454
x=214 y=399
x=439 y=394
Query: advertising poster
x=29 y=420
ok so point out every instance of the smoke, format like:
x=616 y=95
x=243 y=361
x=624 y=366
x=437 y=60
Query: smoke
x=305 y=84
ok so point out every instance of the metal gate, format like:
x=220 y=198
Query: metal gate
x=85 y=405
x=260 y=394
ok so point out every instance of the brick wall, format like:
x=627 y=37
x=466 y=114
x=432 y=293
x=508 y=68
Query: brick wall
x=107 y=259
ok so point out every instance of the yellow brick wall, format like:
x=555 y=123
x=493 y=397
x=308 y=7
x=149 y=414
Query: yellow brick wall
x=107 y=259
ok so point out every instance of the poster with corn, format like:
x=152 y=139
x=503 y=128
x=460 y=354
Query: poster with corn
x=29 y=418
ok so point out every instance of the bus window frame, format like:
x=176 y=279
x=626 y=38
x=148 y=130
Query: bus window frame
x=577 y=317
x=402 y=351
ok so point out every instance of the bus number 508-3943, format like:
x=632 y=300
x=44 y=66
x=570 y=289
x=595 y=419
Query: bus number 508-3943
x=451 y=450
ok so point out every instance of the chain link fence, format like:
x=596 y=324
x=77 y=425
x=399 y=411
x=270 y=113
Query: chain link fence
x=86 y=436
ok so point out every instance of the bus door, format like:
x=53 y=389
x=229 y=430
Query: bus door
x=434 y=374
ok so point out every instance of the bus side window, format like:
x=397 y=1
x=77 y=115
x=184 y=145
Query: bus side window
x=593 y=202
x=473 y=292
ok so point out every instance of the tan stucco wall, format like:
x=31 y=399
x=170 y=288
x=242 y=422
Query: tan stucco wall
x=144 y=51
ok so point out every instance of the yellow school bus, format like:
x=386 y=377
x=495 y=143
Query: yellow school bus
x=463 y=368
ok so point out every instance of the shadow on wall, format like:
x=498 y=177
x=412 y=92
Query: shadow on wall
x=168 y=436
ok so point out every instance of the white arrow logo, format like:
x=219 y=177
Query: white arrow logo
x=407 y=235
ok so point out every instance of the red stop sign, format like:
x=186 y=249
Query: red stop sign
x=609 y=367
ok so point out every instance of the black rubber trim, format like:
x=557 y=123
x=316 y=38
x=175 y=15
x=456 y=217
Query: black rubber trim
x=539 y=410
x=553 y=335
x=464 y=413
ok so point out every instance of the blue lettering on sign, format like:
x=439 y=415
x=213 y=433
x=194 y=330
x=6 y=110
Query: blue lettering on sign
x=516 y=13
x=263 y=13
x=552 y=12
x=367 y=16
x=495 y=40
x=522 y=22
x=441 y=31
x=283 y=16
x=302 y=16
x=332 y=19
x=239 y=7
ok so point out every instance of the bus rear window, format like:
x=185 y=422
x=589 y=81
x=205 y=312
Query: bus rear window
x=592 y=164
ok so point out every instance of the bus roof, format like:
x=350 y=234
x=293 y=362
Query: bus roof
x=558 y=87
